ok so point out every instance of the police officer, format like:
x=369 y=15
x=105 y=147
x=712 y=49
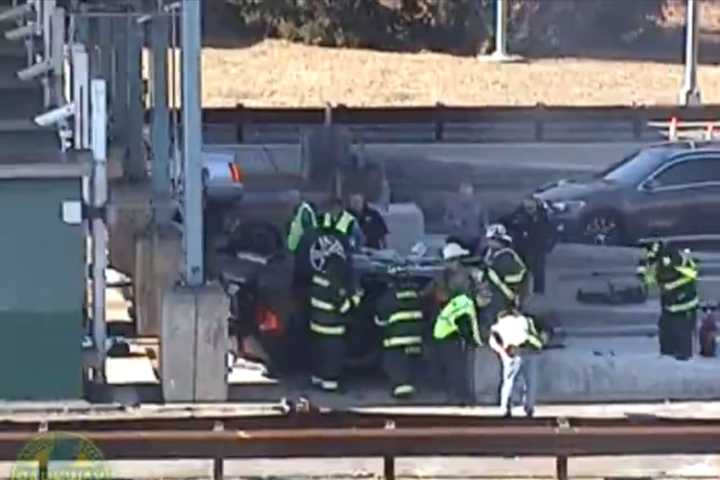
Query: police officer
x=505 y=273
x=303 y=220
x=400 y=315
x=456 y=333
x=676 y=274
x=332 y=297
x=533 y=235
x=516 y=340
x=342 y=222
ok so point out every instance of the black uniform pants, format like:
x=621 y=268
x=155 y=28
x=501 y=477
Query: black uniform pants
x=400 y=365
x=329 y=356
x=454 y=369
x=536 y=264
x=676 y=334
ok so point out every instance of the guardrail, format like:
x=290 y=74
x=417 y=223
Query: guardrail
x=336 y=435
x=443 y=123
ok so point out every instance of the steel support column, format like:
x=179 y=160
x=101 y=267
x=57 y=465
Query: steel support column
x=135 y=168
x=192 y=144
x=160 y=128
x=120 y=80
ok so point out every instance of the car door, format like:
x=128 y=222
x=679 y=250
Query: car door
x=674 y=199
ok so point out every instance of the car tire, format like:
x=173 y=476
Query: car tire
x=603 y=228
x=257 y=237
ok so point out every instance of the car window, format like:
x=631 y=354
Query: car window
x=635 y=167
x=689 y=172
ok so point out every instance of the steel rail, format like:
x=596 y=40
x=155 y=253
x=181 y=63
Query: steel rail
x=451 y=123
x=376 y=435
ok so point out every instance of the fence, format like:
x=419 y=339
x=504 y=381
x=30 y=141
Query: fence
x=342 y=435
x=442 y=123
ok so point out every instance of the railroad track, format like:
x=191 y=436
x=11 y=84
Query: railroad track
x=343 y=435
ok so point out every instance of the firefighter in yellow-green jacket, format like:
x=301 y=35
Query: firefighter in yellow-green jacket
x=456 y=332
x=676 y=274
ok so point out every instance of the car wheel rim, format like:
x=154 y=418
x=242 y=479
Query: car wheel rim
x=601 y=230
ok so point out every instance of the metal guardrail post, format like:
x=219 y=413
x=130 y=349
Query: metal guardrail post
x=389 y=468
x=538 y=123
x=135 y=168
x=439 y=122
x=561 y=468
x=240 y=125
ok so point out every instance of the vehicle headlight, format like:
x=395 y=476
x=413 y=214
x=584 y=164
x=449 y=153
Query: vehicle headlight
x=568 y=206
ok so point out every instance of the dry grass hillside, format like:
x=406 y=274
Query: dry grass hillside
x=278 y=73
x=237 y=69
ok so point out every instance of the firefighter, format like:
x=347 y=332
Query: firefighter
x=675 y=273
x=304 y=219
x=516 y=340
x=505 y=273
x=341 y=222
x=400 y=315
x=332 y=297
x=456 y=333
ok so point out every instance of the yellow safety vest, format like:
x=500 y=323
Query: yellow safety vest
x=343 y=225
x=446 y=323
x=297 y=227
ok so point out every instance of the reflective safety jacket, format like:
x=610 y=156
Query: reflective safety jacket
x=330 y=303
x=304 y=219
x=344 y=224
x=647 y=267
x=506 y=273
x=677 y=275
x=458 y=317
x=399 y=313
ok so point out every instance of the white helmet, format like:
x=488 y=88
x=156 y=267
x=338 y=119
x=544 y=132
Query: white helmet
x=453 y=250
x=497 y=231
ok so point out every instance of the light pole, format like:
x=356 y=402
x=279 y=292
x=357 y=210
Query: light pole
x=500 y=29
x=690 y=93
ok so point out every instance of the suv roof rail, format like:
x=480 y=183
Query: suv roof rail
x=675 y=130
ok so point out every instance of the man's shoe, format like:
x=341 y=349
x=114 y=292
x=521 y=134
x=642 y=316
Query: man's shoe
x=682 y=358
x=530 y=412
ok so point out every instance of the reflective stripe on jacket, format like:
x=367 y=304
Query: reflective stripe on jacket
x=399 y=313
x=344 y=224
x=678 y=283
x=507 y=272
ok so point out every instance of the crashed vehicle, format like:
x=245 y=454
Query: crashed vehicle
x=264 y=308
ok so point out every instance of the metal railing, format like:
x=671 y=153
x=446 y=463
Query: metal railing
x=443 y=123
x=343 y=435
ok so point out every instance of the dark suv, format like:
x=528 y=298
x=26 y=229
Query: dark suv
x=670 y=190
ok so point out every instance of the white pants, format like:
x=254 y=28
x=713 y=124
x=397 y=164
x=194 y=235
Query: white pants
x=510 y=369
x=524 y=365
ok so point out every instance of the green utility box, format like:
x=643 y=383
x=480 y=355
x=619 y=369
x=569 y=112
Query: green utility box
x=42 y=282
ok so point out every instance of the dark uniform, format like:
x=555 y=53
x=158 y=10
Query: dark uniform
x=456 y=332
x=400 y=315
x=331 y=301
x=676 y=275
x=373 y=227
x=534 y=235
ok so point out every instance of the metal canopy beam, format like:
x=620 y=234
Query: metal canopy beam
x=192 y=144
x=690 y=93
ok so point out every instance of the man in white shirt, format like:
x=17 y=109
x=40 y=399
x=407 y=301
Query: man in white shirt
x=514 y=338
